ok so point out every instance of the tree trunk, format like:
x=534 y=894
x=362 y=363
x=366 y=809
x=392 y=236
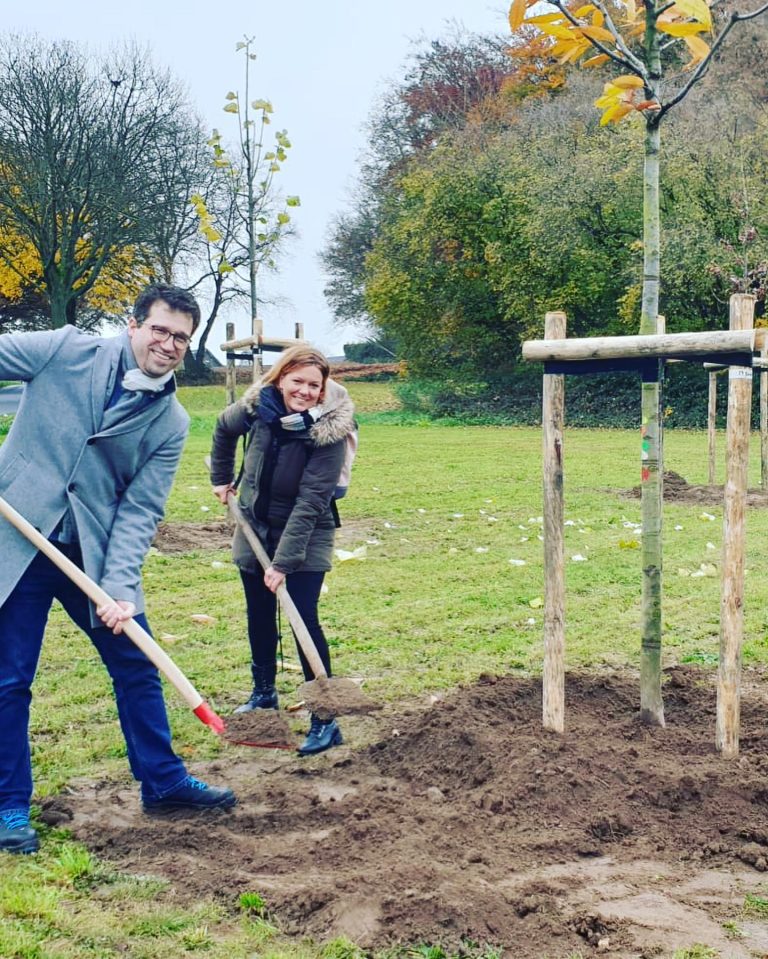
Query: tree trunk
x=57 y=297
x=651 y=704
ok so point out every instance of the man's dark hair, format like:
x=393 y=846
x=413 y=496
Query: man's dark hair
x=174 y=296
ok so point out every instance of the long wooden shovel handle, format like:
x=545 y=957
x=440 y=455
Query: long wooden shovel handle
x=136 y=633
x=284 y=597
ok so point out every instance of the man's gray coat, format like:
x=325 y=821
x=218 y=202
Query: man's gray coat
x=61 y=453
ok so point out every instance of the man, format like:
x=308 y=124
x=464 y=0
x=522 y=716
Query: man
x=89 y=461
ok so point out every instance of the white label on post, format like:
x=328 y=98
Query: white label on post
x=740 y=373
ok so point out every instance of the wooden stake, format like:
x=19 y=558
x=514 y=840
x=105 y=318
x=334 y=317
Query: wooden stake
x=258 y=366
x=764 y=423
x=742 y=315
x=553 y=415
x=231 y=381
x=711 y=427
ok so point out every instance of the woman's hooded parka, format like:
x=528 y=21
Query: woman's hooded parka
x=291 y=513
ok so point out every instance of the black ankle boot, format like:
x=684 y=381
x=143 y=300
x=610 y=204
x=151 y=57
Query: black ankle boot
x=323 y=733
x=264 y=695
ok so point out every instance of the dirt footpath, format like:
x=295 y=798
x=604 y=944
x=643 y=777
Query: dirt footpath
x=461 y=822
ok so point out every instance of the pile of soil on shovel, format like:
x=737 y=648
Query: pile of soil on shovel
x=462 y=822
x=678 y=490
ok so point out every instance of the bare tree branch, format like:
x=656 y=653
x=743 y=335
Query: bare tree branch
x=702 y=68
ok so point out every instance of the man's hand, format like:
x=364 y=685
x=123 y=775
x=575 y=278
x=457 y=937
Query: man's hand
x=222 y=492
x=273 y=578
x=115 y=613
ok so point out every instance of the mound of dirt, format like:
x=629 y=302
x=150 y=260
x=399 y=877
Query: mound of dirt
x=464 y=822
x=678 y=490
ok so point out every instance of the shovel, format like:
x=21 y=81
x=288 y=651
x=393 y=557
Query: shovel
x=326 y=697
x=136 y=633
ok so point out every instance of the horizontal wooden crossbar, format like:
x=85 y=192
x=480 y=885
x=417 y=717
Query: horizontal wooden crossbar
x=693 y=347
x=259 y=343
x=647 y=365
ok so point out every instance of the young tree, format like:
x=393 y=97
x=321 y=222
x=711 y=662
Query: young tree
x=659 y=47
x=255 y=205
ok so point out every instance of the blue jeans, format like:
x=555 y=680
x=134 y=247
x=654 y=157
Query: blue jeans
x=135 y=680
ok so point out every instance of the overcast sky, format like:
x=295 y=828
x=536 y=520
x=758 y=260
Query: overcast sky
x=322 y=64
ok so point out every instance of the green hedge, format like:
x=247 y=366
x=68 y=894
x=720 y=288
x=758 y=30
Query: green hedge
x=604 y=400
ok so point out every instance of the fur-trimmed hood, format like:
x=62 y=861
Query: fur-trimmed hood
x=336 y=421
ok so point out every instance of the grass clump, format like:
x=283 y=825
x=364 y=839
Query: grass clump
x=696 y=951
x=756 y=906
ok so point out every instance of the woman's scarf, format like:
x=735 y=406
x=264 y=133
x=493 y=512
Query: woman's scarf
x=273 y=412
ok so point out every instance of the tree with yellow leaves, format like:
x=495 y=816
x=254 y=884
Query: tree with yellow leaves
x=660 y=48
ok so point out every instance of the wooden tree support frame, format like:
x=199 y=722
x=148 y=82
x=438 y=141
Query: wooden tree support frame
x=734 y=348
x=256 y=345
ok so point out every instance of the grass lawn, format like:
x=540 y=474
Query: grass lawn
x=450 y=587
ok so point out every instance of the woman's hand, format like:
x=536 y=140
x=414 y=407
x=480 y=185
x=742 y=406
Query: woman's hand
x=115 y=613
x=222 y=492
x=273 y=578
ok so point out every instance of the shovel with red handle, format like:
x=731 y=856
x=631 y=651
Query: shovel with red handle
x=132 y=629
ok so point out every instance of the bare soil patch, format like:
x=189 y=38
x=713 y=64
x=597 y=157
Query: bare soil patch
x=190 y=537
x=194 y=537
x=678 y=490
x=463 y=823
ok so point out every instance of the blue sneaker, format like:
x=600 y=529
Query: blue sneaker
x=321 y=736
x=16 y=835
x=191 y=795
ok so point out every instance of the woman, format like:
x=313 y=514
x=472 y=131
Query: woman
x=296 y=420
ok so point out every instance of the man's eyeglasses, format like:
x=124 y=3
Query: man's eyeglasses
x=160 y=335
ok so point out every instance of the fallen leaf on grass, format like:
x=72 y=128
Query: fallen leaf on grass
x=342 y=555
x=536 y=603
x=711 y=546
x=629 y=544
x=203 y=619
x=168 y=638
x=517 y=562
x=481 y=549
x=578 y=558
x=217 y=564
x=707 y=516
x=292 y=668
x=205 y=509
x=706 y=569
